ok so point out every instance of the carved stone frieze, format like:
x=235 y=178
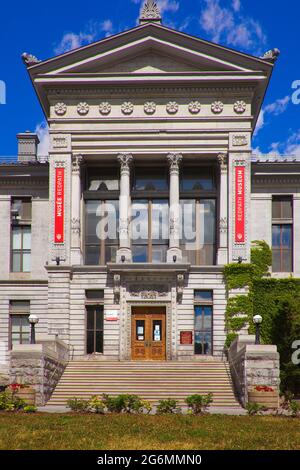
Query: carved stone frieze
x=172 y=107
x=217 y=107
x=60 y=109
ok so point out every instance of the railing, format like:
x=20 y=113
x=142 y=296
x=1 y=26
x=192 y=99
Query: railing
x=13 y=160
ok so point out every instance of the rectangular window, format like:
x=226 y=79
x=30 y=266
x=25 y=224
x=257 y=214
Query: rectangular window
x=198 y=227
x=150 y=179
x=94 y=329
x=104 y=179
x=282 y=234
x=101 y=231
x=19 y=325
x=150 y=230
x=197 y=179
x=21 y=235
x=203 y=322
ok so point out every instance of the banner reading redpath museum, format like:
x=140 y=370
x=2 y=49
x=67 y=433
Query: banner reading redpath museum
x=59 y=205
x=240 y=204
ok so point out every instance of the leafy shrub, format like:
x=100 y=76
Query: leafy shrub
x=77 y=404
x=96 y=404
x=10 y=402
x=254 y=409
x=169 y=406
x=126 y=403
x=198 y=404
x=29 y=409
x=295 y=408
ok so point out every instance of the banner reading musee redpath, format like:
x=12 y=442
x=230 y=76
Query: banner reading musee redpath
x=240 y=204
x=59 y=205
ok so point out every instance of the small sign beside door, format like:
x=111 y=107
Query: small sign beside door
x=112 y=315
x=186 y=337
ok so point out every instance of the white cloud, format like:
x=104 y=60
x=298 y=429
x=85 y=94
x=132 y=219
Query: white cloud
x=91 y=32
x=42 y=131
x=277 y=107
x=228 y=25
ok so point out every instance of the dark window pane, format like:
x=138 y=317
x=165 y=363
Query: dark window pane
x=139 y=254
x=287 y=261
x=160 y=221
x=276 y=236
x=99 y=318
x=92 y=255
x=99 y=342
x=198 y=343
x=139 y=222
x=159 y=253
x=16 y=262
x=103 y=179
x=276 y=260
x=90 y=318
x=197 y=178
x=90 y=342
x=198 y=317
x=148 y=179
x=287 y=236
x=207 y=323
x=282 y=207
x=111 y=253
x=203 y=295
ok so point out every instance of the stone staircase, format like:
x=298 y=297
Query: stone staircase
x=150 y=380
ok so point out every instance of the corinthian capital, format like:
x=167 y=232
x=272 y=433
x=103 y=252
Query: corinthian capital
x=222 y=160
x=77 y=161
x=174 y=160
x=125 y=159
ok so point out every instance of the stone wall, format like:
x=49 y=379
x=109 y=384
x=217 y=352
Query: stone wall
x=252 y=365
x=39 y=365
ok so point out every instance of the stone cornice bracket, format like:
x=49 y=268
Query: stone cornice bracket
x=77 y=161
x=174 y=160
x=150 y=13
x=180 y=286
x=125 y=160
x=271 y=56
x=29 y=59
x=223 y=162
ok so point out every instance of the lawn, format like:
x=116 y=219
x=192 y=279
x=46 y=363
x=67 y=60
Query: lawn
x=128 y=432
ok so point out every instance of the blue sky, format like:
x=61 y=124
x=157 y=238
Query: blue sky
x=48 y=28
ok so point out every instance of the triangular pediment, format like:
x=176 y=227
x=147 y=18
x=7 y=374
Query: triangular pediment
x=149 y=48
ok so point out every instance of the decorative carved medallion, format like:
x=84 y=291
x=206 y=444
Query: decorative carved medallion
x=76 y=163
x=127 y=107
x=150 y=107
x=104 y=108
x=60 y=109
x=59 y=142
x=83 y=108
x=239 y=140
x=217 y=107
x=195 y=107
x=172 y=107
x=239 y=107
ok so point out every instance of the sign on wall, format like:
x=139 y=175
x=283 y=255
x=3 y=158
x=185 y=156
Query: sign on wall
x=59 y=205
x=111 y=315
x=240 y=204
x=186 y=337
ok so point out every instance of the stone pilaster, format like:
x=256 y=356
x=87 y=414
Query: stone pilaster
x=125 y=159
x=76 y=252
x=222 y=256
x=174 y=160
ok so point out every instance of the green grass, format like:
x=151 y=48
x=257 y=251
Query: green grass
x=128 y=432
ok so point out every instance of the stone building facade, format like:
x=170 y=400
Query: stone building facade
x=150 y=130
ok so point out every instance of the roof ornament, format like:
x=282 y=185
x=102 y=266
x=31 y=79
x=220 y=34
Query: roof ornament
x=29 y=59
x=150 y=13
x=271 y=56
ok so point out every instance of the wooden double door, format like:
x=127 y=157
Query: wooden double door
x=148 y=334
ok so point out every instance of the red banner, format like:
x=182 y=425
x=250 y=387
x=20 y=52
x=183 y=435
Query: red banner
x=59 y=205
x=240 y=204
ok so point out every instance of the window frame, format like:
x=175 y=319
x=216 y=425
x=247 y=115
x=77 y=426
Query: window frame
x=283 y=222
x=18 y=311
x=204 y=303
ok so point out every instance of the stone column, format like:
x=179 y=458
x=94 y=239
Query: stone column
x=174 y=160
x=76 y=252
x=222 y=256
x=125 y=160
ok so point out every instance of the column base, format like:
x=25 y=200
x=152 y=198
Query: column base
x=222 y=256
x=124 y=255
x=172 y=252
